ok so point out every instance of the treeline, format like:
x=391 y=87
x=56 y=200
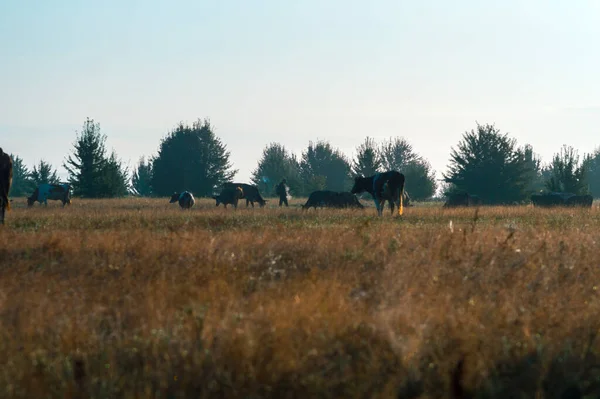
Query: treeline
x=485 y=162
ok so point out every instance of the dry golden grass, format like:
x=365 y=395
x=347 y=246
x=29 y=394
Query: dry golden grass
x=138 y=299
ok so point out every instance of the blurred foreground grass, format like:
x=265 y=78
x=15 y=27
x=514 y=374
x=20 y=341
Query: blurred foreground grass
x=135 y=298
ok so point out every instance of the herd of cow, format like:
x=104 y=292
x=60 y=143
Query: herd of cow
x=385 y=186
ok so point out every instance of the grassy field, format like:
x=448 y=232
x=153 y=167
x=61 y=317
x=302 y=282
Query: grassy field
x=135 y=298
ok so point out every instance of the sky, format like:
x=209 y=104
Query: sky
x=268 y=71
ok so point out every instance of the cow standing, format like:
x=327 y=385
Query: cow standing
x=385 y=186
x=229 y=196
x=251 y=193
x=6 y=175
x=185 y=199
x=55 y=192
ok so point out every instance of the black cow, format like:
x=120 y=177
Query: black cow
x=229 y=196
x=332 y=199
x=462 y=199
x=385 y=186
x=6 y=176
x=584 y=201
x=553 y=199
x=251 y=193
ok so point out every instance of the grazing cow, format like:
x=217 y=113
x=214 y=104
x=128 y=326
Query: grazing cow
x=55 y=192
x=6 y=175
x=553 y=199
x=229 y=196
x=584 y=201
x=332 y=199
x=186 y=199
x=462 y=199
x=251 y=193
x=385 y=186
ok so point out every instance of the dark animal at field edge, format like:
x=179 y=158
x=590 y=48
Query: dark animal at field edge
x=251 y=193
x=384 y=186
x=229 y=196
x=6 y=176
x=332 y=199
x=185 y=199
x=53 y=192
x=462 y=199
x=552 y=199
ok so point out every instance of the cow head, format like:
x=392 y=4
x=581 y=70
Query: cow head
x=174 y=198
x=217 y=198
x=360 y=184
x=30 y=201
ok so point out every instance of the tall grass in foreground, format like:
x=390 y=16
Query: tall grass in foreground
x=136 y=298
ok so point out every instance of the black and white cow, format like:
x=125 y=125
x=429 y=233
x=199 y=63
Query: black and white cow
x=185 y=199
x=54 y=192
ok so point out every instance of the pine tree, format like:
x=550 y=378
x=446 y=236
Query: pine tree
x=141 y=180
x=191 y=158
x=42 y=173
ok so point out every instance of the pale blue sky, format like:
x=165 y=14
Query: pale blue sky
x=289 y=72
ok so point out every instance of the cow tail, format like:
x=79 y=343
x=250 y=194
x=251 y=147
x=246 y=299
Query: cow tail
x=401 y=207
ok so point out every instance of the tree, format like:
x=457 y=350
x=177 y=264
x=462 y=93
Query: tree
x=21 y=184
x=323 y=167
x=191 y=158
x=533 y=165
x=276 y=164
x=396 y=154
x=592 y=171
x=43 y=174
x=567 y=174
x=368 y=159
x=420 y=180
x=141 y=179
x=85 y=165
x=489 y=164
x=113 y=181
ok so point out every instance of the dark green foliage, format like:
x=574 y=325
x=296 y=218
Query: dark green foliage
x=21 y=183
x=91 y=173
x=533 y=165
x=43 y=174
x=113 y=179
x=489 y=164
x=567 y=174
x=276 y=164
x=420 y=180
x=396 y=153
x=324 y=167
x=368 y=159
x=191 y=158
x=141 y=180
x=592 y=170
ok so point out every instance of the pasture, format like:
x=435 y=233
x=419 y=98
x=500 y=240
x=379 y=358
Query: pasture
x=136 y=298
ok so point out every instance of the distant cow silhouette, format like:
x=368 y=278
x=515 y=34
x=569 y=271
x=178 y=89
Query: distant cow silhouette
x=6 y=176
x=229 y=196
x=462 y=199
x=552 y=199
x=54 y=192
x=385 y=186
x=251 y=193
x=185 y=199
x=332 y=199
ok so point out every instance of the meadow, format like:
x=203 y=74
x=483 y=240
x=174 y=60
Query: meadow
x=135 y=298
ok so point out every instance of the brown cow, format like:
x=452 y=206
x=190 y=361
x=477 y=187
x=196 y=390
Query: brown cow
x=6 y=175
